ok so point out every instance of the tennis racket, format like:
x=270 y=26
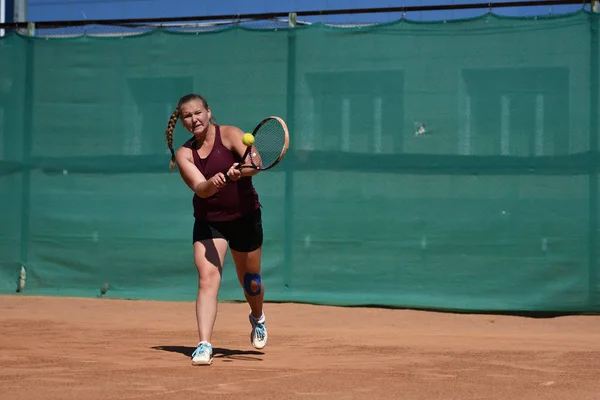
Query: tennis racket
x=271 y=142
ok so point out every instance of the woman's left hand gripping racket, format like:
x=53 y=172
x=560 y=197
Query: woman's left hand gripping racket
x=271 y=141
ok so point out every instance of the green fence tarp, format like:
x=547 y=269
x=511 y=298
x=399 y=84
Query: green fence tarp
x=447 y=165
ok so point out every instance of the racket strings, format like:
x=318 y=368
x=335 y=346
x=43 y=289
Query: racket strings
x=268 y=144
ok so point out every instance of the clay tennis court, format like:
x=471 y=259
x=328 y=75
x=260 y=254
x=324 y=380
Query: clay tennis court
x=65 y=348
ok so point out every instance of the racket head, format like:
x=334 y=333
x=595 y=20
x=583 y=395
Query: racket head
x=271 y=142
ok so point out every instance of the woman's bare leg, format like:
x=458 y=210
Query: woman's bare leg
x=209 y=256
x=247 y=265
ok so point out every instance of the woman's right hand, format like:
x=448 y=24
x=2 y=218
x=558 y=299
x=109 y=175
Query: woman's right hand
x=218 y=180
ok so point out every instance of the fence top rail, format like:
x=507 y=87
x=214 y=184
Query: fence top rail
x=232 y=18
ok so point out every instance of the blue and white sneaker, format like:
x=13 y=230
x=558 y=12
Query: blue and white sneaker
x=203 y=354
x=258 y=335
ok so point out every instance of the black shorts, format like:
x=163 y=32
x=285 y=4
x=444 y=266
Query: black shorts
x=244 y=234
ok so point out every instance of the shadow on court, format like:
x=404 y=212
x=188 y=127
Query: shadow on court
x=230 y=354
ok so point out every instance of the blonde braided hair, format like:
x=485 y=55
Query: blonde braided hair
x=169 y=136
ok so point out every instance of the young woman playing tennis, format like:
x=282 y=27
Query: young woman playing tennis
x=227 y=213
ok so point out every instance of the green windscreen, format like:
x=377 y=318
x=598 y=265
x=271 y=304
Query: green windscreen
x=444 y=165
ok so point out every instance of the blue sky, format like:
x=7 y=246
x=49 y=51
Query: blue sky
x=48 y=10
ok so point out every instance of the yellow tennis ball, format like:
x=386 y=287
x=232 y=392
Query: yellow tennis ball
x=248 y=139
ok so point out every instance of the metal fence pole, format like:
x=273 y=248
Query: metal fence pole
x=290 y=157
x=2 y=15
x=594 y=242
x=26 y=150
x=20 y=10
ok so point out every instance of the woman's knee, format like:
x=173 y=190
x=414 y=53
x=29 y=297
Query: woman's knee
x=252 y=284
x=209 y=276
x=208 y=258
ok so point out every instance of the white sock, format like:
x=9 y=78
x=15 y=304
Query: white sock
x=260 y=320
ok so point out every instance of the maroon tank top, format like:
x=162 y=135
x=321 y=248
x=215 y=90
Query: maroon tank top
x=230 y=202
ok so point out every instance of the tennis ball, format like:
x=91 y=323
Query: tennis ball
x=248 y=139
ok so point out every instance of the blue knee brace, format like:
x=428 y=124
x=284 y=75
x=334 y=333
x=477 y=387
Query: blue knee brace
x=248 y=280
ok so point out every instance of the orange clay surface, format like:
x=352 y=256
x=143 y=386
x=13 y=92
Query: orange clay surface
x=84 y=349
